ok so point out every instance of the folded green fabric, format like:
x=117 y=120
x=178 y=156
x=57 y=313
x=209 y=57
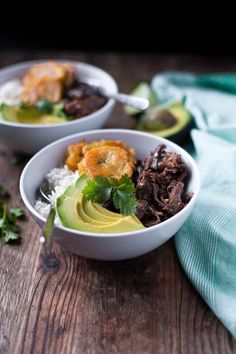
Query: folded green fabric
x=206 y=244
x=223 y=82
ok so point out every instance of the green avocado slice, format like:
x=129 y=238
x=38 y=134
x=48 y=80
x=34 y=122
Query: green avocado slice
x=28 y=115
x=176 y=119
x=67 y=209
x=87 y=211
x=77 y=213
x=81 y=183
x=87 y=214
x=109 y=214
x=93 y=213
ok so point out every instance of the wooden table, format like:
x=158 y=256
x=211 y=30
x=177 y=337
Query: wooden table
x=145 y=305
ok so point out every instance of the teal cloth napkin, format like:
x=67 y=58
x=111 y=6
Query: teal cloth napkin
x=206 y=244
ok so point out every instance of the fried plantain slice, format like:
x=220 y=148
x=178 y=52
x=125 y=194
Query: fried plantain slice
x=117 y=143
x=46 y=71
x=107 y=161
x=47 y=80
x=48 y=90
x=74 y=155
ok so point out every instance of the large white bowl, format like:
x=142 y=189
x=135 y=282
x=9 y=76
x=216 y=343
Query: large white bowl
x=107 y=246
x=30 y=138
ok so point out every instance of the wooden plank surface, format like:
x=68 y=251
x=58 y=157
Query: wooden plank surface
x=145 y=305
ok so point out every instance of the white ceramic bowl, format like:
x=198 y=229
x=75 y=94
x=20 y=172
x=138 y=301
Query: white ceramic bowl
x=107 y=246
x=30 y=138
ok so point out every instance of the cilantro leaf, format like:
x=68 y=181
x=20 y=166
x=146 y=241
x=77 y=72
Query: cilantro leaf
x=125 y=179
x=45 y=106
x=19 y=158
x=10 y=233
x=125 y=200
x=90 y=190
x=3 y=193
x=114 y=182
x=120 y=192
x=98 y=190
x=58 y=111
x=3 y=214
x=16 y=212
x=48 y=107
x=103 y=182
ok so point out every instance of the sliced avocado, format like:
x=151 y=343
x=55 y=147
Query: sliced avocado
x=168 y=123
x=87 y=210
x=73 y=214
x=90 y=217
x=143 y=90
x=72 y=191
x=104 y=211
x=111 y=214
x=28 y=115
x=67 y=209
x=81 y=183
x=91 y=210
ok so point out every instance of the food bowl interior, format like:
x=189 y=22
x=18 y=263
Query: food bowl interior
x=30 y=138
x=85 y=71
x=54 y=155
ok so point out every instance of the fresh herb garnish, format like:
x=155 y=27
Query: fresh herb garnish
x=121 y=192
x=17 y=212
x=48 y=107
x=18 y=158
x=58 y=111
x=9 y=230
x=3 y=193
x=45 y=106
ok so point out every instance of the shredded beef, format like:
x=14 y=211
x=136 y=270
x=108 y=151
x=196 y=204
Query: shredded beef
x=160 y=180
x=82 y=99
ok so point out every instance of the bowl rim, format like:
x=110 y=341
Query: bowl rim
x=89 y=117
x=121 y=234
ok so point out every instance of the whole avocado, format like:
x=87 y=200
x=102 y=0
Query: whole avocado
x=172 y=123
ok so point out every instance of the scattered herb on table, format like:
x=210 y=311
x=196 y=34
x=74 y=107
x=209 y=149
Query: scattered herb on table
x=9 y=230
x=17 y=212
x=3 y=193
x=120 y=192
x=18 y=158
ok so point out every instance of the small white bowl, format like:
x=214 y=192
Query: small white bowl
x=107 y=246
x=30 y=138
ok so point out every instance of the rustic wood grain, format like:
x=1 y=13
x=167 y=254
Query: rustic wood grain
x=145 y=305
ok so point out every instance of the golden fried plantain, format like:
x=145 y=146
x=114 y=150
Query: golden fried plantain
x=48 y=90
x=107 y=161
x=30 y=95
x=74 y=155
x=116 y=143
x=47 y=81
x=51 y=90
x=46 y=71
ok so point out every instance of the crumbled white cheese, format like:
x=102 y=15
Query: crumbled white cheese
x=10 y=92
